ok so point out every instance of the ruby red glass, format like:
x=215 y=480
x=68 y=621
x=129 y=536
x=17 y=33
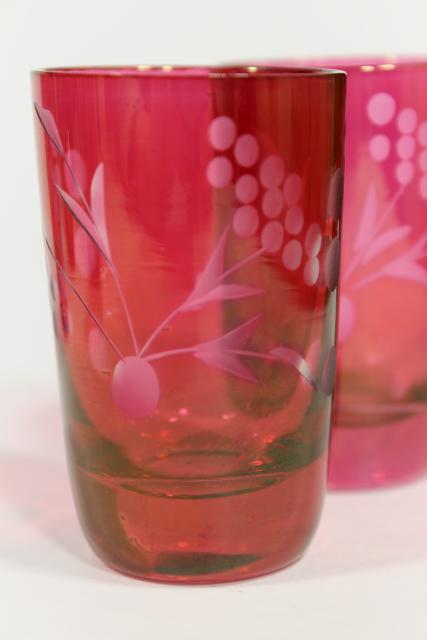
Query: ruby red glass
x=380 y=423
x=379 y=434
x=191 y=223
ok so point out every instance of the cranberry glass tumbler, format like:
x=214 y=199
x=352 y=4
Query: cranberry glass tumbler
x=380 y=424
x=191 y=222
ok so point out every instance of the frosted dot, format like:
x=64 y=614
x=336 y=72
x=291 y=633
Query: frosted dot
x=404 y=172
x=272 y=236
x=292 y=189
x=381 y=108
x=405 y=147
x=272 y=203
x=379 y=147
x=292 y=254
x=313 y=240
x=219 y=172
x=294 y=220
x=311 y=271
x=246 y=188
x=272 y=172
x=422 y=134
x=423 y=187
x=245 y=221
x=422 y=160
x=407 y=120
x=246 y=150
x=222 y=133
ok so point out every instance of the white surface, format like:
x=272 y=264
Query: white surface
x=365 y=575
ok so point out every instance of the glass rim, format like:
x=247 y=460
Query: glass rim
x=190 y=71
x=360 y=63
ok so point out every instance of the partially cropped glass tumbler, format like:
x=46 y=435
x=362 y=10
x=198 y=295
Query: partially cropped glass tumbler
x=191 y=221
x=380 y=423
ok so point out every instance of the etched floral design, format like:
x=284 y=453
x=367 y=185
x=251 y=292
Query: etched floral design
x=409 y=151
x=267 y=198
x=135 y=384
x=375 y=236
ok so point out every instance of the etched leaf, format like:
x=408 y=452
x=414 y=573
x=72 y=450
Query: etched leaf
x=292 y=357
x=97 y=206
x=49 y=125
x=419 y=249
x=222 y=292
x=236 y=338
x=384 y=241
x=226 y=361
x=366 y=230
x=75 y=182
x=84 y=221
x=76 y=292
x=208 y=278
x=218 y=353
x=406 y=270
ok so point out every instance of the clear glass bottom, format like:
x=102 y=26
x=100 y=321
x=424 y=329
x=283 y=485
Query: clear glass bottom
x=200 y=531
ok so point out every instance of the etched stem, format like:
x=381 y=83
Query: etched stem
x=159 y=329
x=241 y=264
x=125 y=308
x=171 y=352
x=76 y=184
x=110 y=266
x=74 y=289
x=236 y=352
x=178 y=310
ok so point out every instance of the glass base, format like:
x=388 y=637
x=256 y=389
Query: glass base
x=384 y=452
x=193 y=531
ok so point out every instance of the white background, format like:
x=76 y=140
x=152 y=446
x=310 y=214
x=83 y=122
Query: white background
x=365 y=575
